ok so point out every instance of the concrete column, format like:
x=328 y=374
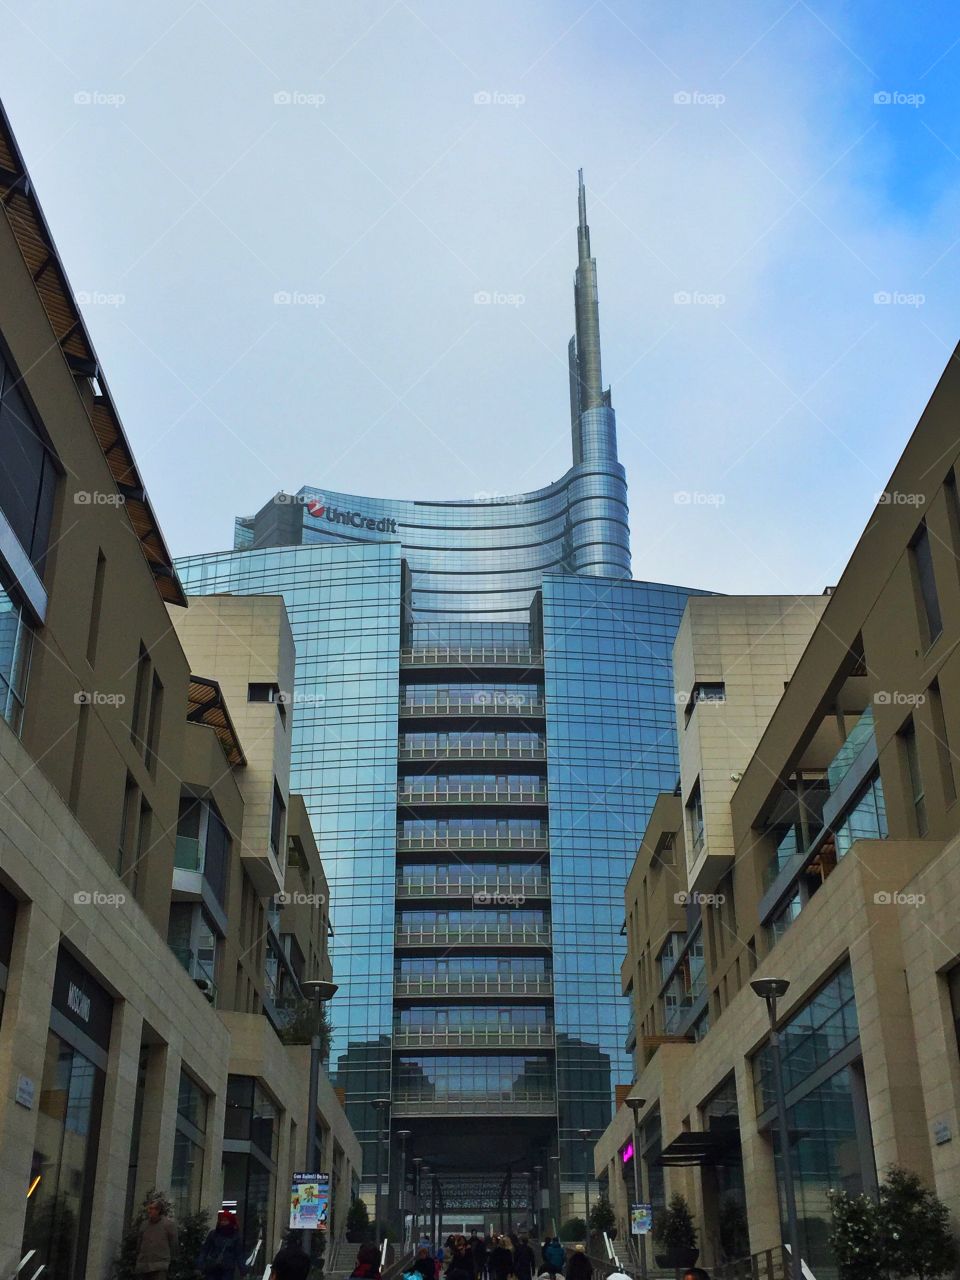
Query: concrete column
x=759 y=1172
x=23 y=1042
x=158 y=1125
x=116 y=1133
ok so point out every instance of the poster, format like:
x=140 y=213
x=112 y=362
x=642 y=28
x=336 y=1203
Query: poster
x=641 y=1219
x=309 y=1202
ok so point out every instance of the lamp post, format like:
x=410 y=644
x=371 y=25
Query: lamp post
x=318 y=990
x=403 y=1135
x=636 y=1105
x=769 y=990
x=417 y=1161
x=380 y=1106
x=537 y=1198
x=555 y=1190
x=585 y=1135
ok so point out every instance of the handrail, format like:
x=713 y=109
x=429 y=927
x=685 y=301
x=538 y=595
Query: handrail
x=452 y=935
x=466 y=985
x=458 y=751
x=495 y=840
x=494 y=655
x=472 y=795
x=468 y=887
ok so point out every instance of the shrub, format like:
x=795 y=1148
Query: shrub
x=573 y=1229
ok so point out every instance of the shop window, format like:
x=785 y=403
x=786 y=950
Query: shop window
x=186 y=1177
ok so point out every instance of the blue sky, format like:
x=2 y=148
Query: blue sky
x=736 y=154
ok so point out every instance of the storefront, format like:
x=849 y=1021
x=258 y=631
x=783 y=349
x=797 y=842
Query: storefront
x=69 y=1107
x=250 y=1141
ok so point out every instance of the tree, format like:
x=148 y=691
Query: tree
x=602 y=1217
x=358 y=1222
x=674 y=1230
x=914 y=1228
x=733 y=1228
x=573 y=1229
x=855 y=1237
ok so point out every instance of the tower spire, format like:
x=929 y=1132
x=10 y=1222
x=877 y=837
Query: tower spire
x=586 y=383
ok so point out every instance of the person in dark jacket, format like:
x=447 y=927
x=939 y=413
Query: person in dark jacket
x=553 y=1255
x=460 y=1266
x=221 y=1256
x=367 y=1265
x=424 y=1264
x=478 y=1248
x=501 y=1259
x=579 y=1267
x=292 y=1261
x=524 y=1260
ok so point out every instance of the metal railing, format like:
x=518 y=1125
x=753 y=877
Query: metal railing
x=471 y=886
x=496 y=705
x=493 y=984
x=201 y=972
x=474 y=1038
x=771 y=1264
x=472 y=795
x=455 y=751
x=544 y=1105
x=520 y=935
x=482 y=655
x=496 y=842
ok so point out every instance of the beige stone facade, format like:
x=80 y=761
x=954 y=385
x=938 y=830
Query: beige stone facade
x=161 y=893
x=827 y=854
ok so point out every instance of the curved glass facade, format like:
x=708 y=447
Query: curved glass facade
x=483 y=719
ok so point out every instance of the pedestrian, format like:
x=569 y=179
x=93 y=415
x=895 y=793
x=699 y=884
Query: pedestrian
x=524 y=1260
x=460 y=1266
x=367 y=1265
x=292 y=1261
x=423 y=1264
x=553 y=1255
x=221 y=1255
x=696 y=1273
x=579 y=1267
x=479 y=1249
x=501 y=1259
x=157 y=1246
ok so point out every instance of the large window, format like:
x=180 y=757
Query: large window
x=186 y=1177
x=28 y=471
x=251 y=1133
x=278 y=821
x=16 y=640
x=925 y=585
x=914 y=778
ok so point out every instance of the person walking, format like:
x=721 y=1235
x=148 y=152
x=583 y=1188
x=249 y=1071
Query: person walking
x=501 y=1259
x=460 y=1266
x=157 y=1246
x=367 y=1265
x=424 y=1264
x=292 y=1261
x=553 y=1255
x=579 y=1267
x=221 y=1255
x=524 y=1260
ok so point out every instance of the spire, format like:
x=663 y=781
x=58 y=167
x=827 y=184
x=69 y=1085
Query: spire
x=585 y=353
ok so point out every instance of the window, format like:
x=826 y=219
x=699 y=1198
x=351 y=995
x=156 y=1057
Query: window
x=96 y=608
x=28 y=471
x=153 y=723
x=16 y=642
x=277 y=821
x=705 y=691
x=695 y=815
x=938 y=727
x=186 y=1175
x=914 y=778
x=925 y=585
x=263 y=693
x=140 y=694
x=953 y=986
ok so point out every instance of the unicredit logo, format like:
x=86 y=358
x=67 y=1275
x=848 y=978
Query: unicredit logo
x=355 y=519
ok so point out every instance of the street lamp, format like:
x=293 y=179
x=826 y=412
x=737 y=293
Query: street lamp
x=403 y=1135
x=636 y=1105
x=380 y=1106
x=317 y=990
x=417 y=1161
x=585 y=1135
x=770 y=990
x=555 y=1187
x=537 y=1198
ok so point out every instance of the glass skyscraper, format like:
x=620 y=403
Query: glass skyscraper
x=483 y=719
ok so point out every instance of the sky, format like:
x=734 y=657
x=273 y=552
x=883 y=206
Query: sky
x=282 y=219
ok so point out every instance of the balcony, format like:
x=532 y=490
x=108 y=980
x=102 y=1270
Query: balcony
x=496 y=842
x=536 y=1105
x=201 y=971
x=473 y=1038
x=504 y=935
x=456 y=751
x=472 y=795
x=481 y=705
x=483 y=984
x=859 y=737
x=419 y=887
x=483 y=656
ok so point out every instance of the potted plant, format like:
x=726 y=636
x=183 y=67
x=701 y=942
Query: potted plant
x=573 y=1229
x=675 y=1236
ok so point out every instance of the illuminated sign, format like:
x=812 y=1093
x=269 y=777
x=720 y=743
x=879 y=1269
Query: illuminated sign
x=355 y=519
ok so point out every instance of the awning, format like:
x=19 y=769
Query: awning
x=705 y=1147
